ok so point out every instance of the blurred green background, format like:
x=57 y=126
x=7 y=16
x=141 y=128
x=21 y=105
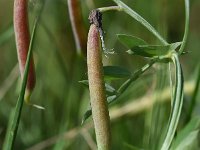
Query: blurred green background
x=58 y=70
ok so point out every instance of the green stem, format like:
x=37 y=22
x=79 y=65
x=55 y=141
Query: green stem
x=79 y=31
x=104 y=9
x=140 y=19
x=177 y=103
x=135 y=76
x=187 y=20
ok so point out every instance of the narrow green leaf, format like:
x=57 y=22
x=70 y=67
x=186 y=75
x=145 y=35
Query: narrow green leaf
x=189 y=143
x=130 y=41
x=153 y=50
x=86 y=115
x=138 y=46
x=12 y=132
x=187 y=136
x=115 y=72
x=140 y=19
x=177 y=103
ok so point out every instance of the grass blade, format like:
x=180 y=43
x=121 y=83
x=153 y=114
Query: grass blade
x=176 y=105
x=141 y=20
x=187 y=136
x=194 y=97
x=12 y=132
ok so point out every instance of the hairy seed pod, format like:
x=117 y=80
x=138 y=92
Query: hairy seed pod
x=79 y=31
x=22 y=37
x=99 y=106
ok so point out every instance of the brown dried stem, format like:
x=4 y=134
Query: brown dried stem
x=78 y=28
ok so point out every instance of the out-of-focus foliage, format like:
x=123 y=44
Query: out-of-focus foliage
x=59 y=70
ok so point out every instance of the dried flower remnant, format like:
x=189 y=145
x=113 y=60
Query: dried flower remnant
x=95 y=18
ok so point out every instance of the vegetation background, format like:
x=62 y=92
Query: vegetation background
x=138 y=116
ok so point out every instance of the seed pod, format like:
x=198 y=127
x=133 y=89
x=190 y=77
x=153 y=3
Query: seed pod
x=22 y=37
x=78 y=28
x=99 y=106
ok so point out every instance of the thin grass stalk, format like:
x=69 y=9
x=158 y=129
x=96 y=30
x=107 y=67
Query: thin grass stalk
x=177 y=103
x=187 y=21
x=12 y=131
x=79 y=31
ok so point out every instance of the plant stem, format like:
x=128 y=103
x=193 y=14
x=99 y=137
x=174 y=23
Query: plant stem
x=140 y=19
x=78 y=28
x=135 y=76
x=177 y=103
x=104 y=9
x=99 y=106
x=187 y=20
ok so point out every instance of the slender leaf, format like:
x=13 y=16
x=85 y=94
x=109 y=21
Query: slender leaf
x=138 y=46
x=140 y=19
x=12 y=130
x=18 y=109
x=189 y=143
x=130 y=41
x=187 y=136
x=115 y=72
x=177 y=104
x=153 y=50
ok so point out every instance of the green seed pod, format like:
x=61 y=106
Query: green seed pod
x=99 y=106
